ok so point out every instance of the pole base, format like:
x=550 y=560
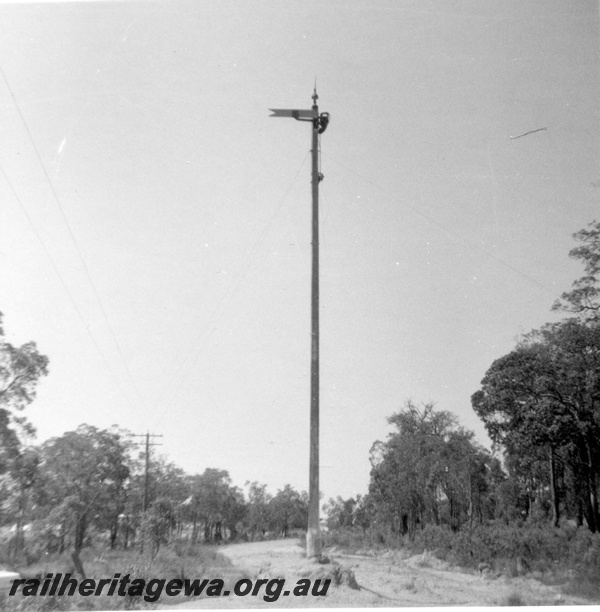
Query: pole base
x=313 y=543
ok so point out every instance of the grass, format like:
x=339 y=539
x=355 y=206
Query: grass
x=583 y=586
x=569 y=556
x=179 y=561
x=514 y=599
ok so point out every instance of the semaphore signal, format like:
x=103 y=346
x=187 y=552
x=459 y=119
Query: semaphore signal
x=319 y=124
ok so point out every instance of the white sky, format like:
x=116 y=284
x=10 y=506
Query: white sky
x=159 y=248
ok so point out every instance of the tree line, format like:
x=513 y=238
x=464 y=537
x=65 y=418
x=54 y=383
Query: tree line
x=91 y=485
x=540 y=405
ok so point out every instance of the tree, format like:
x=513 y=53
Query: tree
x=584 y=299
x=158 y=523
x=288 y=510
x=83 y=474
x=234 y=510
x=340 y=512
x=363 y=512
x=428 y=470
x=543 y=399
x=214 y=502
x=258 y=513
x=115 y=516
x=169 y=482
x=18 y=493
x=20 y=371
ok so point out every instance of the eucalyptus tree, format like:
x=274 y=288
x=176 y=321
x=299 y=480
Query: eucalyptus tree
x=83 y=477
x=20 y=371
x=288 y=510
x=21 y=368
x=18 y=491
x=258 y=515
x=584 y=297
x=159 y=522
x=215 y=503
x=545 y=396
x=340 y=512
x=426 y=471
x=234 y=511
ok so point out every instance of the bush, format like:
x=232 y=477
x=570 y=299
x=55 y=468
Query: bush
x=514 y=599
x=353 y=539
x=561 y=554
x=586 y=578
x=179 y=560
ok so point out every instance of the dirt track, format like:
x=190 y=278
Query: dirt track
x=391 y=579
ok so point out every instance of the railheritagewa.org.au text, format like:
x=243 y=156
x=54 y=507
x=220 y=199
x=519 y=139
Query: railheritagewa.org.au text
x=151 y=590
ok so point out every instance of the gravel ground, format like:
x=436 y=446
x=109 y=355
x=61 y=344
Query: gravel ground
x=389 y=580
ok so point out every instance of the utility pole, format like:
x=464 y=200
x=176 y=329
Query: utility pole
x=319 y=124
x=148 y=444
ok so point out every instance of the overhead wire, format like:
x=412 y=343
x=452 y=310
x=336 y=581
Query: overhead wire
x=197 y=348
x=448 y=230
x=56 y=199
x=64 y=285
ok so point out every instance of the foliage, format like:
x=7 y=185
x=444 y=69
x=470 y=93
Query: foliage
x=90 y=486
x=288 y=510
x=566 y=555
x=83 y=474
x=432 y=486
x=541 y=403
x=584 y=298
x=177 y=560
x=257 y=516
x=158 y=523
x=20 y=371
x=215 y=503
x=429 y=470
x=340 y=512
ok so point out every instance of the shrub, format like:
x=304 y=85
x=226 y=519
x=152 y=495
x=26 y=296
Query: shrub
x=568 y=553
x=173 y=561
x=514 y=599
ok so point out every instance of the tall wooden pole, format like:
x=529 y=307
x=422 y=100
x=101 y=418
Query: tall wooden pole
x=147 y=444
x=147 y=473
x=319 y=125
x=313 y=536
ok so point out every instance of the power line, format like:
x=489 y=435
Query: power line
x=65 y=287
x=429 y=218
x=71 y=234
x=220 y=307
